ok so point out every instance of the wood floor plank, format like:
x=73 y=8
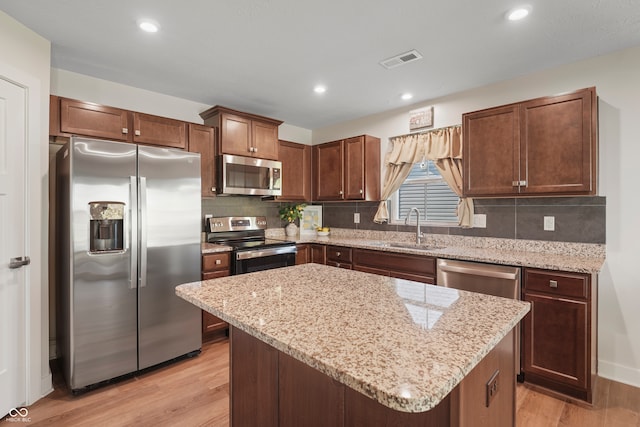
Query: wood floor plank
x=195 y=392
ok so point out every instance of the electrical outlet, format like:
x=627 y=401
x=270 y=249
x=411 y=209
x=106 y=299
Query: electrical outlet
x=356 y=218
x=479 y=221
x=493 y=387
x=549 y=223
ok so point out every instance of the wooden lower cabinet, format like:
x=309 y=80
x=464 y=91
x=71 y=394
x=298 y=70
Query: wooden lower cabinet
x=339 y=256
x=270 y=388
x=559 y=334
x=303 y=256
x=402 y=266
x=213 y=266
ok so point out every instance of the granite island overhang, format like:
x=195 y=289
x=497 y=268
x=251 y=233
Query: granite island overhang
x=404 y=344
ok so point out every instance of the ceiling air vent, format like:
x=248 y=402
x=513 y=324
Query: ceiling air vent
x=403 y=58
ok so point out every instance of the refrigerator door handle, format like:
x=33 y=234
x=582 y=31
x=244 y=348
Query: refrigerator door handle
x=133 y=224
x=143 y=232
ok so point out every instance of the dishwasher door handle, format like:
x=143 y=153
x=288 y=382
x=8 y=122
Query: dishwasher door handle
x=486 y=272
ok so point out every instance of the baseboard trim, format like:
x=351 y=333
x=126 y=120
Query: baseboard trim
x=619 y=373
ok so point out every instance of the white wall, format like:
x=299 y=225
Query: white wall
x=85 y=88
x=28 y=55
x=616 y=79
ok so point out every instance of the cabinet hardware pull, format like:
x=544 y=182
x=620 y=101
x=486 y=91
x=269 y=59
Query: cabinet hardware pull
x=125 y=130
x=218 y=262
x=553 y=283
x=337 y=253
x=519 y=183
x=213 y=189
x=361 y=191
x=19 y=262
x=137 y=132
x=340 y=192
x=255 y=149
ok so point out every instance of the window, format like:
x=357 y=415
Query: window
x=425 y=189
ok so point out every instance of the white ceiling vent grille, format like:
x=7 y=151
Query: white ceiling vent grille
x=403 y=58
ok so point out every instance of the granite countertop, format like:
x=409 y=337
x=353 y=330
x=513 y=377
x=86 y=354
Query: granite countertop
x=405 y=344
x=212 y=248
x=575 y=257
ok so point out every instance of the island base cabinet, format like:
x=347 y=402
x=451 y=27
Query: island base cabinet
x=270 y=388
x=253 y=381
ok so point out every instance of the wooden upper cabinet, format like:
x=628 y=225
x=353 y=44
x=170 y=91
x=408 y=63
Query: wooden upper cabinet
x=244 y=134
x=296 y=171
x=329 y=171
x=545 y=146
x=157 y=130
x=491 y=151
x=347 y=169
x=265 y=140
x=69 y=117
x=202 y=140
x=72 y=117
x=236 y=132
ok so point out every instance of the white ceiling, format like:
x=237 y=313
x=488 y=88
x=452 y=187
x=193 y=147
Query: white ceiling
x=265 y=56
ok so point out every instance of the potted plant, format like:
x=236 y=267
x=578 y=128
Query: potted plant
x=291 y=213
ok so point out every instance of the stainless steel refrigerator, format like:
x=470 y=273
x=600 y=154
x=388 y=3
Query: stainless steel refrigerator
x=128 y=233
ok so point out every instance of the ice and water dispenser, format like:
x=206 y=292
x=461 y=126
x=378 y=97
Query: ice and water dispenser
x=106 y=227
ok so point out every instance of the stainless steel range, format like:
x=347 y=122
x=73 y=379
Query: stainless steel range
x=252 y=251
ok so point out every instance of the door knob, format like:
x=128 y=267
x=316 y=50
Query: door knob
x=19 y=261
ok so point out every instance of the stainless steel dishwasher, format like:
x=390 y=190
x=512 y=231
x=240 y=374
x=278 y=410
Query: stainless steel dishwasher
x=498 y=280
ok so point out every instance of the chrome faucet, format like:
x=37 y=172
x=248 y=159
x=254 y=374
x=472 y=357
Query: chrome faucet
x=419 y=235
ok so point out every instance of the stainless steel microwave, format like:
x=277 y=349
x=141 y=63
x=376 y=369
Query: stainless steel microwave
x=249 y=176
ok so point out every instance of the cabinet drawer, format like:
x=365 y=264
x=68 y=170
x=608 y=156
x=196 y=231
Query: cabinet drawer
x=573 y=285
x=216 y=262
x=339 y=254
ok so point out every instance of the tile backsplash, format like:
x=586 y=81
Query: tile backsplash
x=577 y=219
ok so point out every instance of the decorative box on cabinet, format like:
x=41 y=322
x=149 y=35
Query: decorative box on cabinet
x=213 y=266
x=348 y=169
x=202 y=140
x=296 y=171
x=559 y=333
x=544 y=146
x=243 y=134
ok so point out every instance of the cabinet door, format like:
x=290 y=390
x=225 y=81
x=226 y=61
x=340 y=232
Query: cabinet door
x=329 y=171
x=558 y=146
x=555 y=341
x=235 y=135
x=155 y=130
x=202 y=140
x=303 y=255
x=491 y=152
x=296 y=171
x=354 y=168
x=265 y=140
x=318 y=254
x=89 y=119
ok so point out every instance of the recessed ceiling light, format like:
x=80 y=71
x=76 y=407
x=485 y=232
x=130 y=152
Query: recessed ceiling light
x=320 y=89
x=518 y=13
x=406 y=96
x=148 y=25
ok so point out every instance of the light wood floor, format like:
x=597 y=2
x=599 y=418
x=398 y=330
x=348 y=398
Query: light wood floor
x=195 y=392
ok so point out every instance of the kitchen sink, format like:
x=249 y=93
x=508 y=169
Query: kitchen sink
x=415 y=246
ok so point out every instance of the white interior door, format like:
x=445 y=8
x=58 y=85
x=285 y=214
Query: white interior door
x=13 y=147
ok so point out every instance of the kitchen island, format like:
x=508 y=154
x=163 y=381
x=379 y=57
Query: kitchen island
x=317 y=345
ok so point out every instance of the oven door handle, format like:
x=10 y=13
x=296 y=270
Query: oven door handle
x=260 y=253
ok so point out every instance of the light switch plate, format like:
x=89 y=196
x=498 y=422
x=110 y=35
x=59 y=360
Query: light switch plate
x=479 y=221
x=356 y=218
x=549 y=223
